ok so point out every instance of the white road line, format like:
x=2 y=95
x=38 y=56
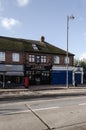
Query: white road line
x=25 y=111
x=48 y=108
x=16 y=112
x=82 y=104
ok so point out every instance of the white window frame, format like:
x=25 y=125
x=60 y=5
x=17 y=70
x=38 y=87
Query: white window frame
x=2 y=56
x=43 y=59
x=15 y=57
x=56 y=59
x=67 y=60
x=31 y=58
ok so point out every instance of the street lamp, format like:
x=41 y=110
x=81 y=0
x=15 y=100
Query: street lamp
x=67 y=61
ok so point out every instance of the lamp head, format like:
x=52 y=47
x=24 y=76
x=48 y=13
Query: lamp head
x=72 y=17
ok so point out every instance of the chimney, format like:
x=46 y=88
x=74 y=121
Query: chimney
x=42 y=39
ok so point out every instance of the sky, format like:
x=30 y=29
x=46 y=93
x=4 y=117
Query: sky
x=31 y=19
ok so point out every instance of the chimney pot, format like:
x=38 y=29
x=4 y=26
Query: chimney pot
x=42 y=39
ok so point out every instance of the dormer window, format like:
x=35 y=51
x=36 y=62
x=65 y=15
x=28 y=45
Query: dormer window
x=34 y=47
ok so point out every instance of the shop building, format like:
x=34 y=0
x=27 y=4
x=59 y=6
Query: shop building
x=20 y=58
x=75 y=75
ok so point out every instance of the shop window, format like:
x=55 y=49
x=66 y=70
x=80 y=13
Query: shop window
x=67 y=60
x=2 y=56
x=43 y=59
x=31 y=58
x=15 y=57
x=56 y=60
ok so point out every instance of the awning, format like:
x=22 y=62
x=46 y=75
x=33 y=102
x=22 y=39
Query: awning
x=13 y=68
x=14 y=73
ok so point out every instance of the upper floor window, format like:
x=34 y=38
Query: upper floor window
x=31 y=58
x=2 y=56
x=38 y=59
x=67 y=60
x=43 y=59
x=15 y=57
x=56 y=60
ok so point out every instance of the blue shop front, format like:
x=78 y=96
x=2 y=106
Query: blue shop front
x=59 y=75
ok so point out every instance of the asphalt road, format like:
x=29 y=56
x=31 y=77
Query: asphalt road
x=49 y=114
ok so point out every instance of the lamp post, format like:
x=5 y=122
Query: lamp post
x=67 y=61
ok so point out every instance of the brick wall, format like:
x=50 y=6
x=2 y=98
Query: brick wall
x=9 y=58
x=22 y=56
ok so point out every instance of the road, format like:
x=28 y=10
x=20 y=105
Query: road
x=44 y=114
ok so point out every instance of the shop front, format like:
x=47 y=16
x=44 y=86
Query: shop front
x=39 y=75
x=11 y=75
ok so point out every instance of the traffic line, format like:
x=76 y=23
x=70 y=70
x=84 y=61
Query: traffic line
x=25 y=111
x=11 y=113
x=48 y=108
x=82 y=104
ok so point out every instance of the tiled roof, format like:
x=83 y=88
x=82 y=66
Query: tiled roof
x=15 y=44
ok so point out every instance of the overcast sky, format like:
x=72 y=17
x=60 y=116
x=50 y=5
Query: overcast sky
x=31 y=19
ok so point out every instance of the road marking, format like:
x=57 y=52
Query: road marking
x=48 y=108
x=16 y=112
x=82 y=104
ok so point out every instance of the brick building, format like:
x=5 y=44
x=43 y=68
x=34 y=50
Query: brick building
x=21 y=58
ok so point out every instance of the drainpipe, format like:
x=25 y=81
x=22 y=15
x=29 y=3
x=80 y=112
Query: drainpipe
x=3 y=79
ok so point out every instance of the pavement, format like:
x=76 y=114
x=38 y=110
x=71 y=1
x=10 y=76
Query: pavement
x=41 y=91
